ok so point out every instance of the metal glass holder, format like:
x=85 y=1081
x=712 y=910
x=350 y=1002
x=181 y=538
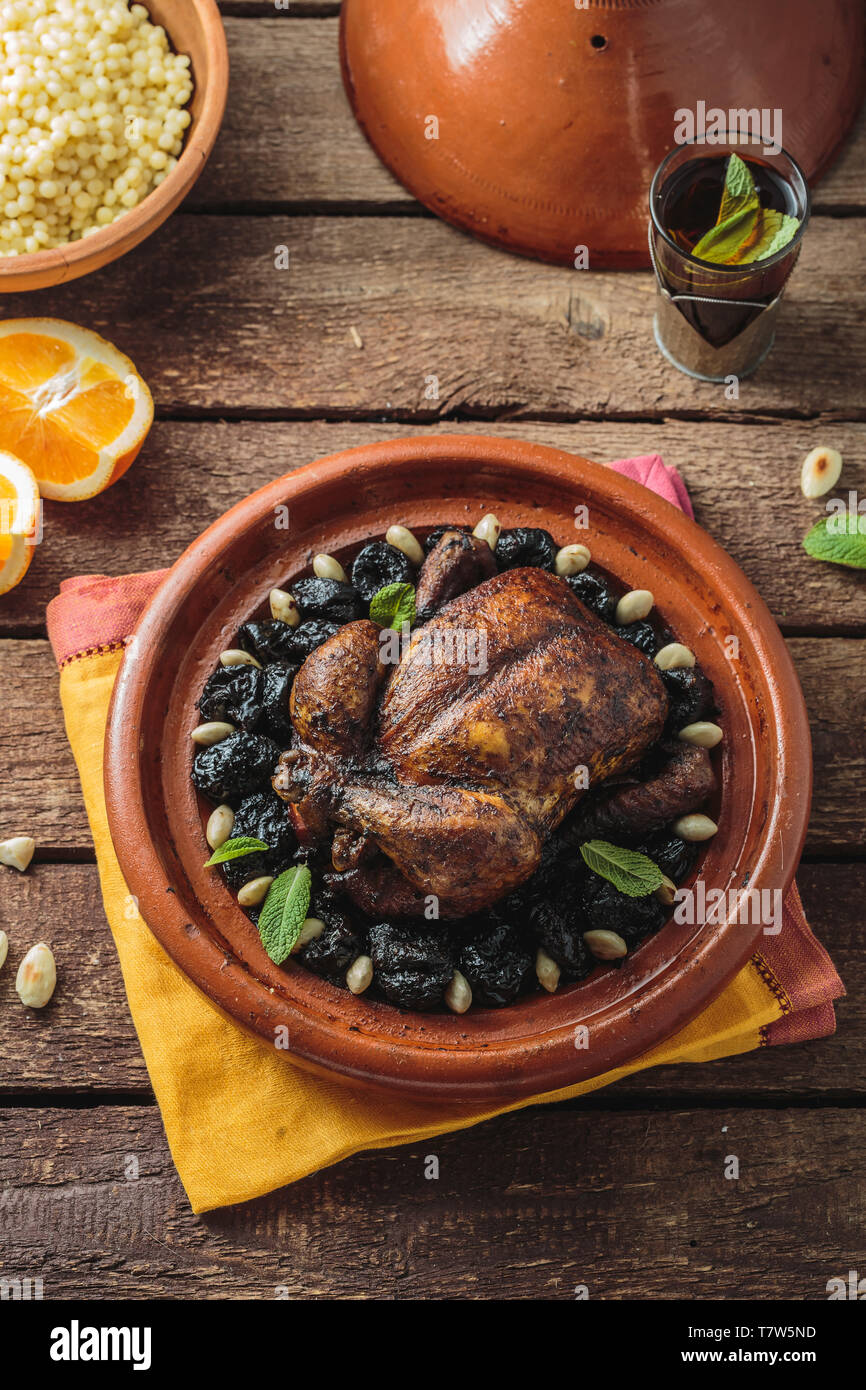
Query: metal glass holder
x=687 y=350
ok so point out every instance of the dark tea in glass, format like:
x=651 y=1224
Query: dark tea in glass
x=715 y=319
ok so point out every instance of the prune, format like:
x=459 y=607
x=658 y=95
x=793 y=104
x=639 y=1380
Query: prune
x=525 y=545
x=558 y=876
x=559 y=928
x=379 y=564
x=675 y=857
x=495 y=961
x=641 y=635
x=339 y=945
x=276 y=689
x=594 y=590
x=632 y=918
x=264 y=817
x=253 y=700
x=328 y=598
x=690 y=694
x=309 y=636
x=436 y=535
x=411 y=967
x=241 y=764
x=268 y=641
x=273 y=641
x=233 y=693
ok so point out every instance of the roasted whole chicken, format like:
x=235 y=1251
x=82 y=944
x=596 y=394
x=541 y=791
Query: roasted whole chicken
x=437 y=778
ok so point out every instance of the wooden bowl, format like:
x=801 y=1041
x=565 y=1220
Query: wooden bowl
x=334 y=504
x=194 y=27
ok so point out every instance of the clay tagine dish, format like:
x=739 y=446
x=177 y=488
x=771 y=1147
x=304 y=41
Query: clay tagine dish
x=387 y=787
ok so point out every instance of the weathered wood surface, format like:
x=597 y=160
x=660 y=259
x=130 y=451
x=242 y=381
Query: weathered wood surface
x=214 y=326
x=531 y=1206
x=85 y=1042
x=623 y=1192
x=289 y=137
x=188 y=474
x=41 y=795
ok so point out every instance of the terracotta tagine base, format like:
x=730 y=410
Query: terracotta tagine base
x=487 y=1055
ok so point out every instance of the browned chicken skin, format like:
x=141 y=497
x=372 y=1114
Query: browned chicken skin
x=506 y=705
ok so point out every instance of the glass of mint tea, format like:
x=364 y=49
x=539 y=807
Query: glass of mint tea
x=726 y=225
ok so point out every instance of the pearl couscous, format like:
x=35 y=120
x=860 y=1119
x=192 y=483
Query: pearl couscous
x=92 y=116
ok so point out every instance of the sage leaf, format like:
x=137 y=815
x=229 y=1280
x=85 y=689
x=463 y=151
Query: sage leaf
x=839 y=540
x=236 y=849
x=393 y=606
x=629 y=871
x=284 y=912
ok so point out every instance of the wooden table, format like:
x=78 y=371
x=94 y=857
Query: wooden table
x=256 y=370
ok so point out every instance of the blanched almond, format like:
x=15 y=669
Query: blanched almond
x=17 y=852
x=402 y=539
x=359 y=976
x=458 y=995
x=547 y=971
x=326 y=567
x=634 y=606
x=666 y=894
x=255 y=891
x=572 y=559
x=821 y=470
x=235 y=657
x=703 y=734
x=605 y=945
x=488 y=530
x=311 y=928
x=206 y=735
x=221 y=823
x=674 y=657
x=37 y=977
x=695 y=828
x=283 y=607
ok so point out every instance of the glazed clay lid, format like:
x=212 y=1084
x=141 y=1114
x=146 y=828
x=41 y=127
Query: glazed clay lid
x=538 y=124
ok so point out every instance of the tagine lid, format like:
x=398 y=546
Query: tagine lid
x=538 y=124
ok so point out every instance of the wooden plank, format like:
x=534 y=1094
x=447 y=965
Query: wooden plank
x=289 y=9
x=42 y=796
x=629 y=1206
x=309 y=149
x=743 y=479
x=84 y=1042
x=502 y=335
x=306 y=149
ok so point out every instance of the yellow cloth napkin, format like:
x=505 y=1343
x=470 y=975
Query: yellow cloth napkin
x=240 y=1119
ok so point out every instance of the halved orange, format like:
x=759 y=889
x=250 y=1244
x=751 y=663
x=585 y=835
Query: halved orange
x=20 y=520
x=72 y=407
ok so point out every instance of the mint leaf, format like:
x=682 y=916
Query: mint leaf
x=775 y=231
x=721 y=243
x=284 y=912
x=393 y=606
x=236 y=849
x=739 y=193
x=629 y=872
x=840 y=540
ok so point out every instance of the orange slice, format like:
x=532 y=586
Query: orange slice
x=72 y=407
x=20 y=520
